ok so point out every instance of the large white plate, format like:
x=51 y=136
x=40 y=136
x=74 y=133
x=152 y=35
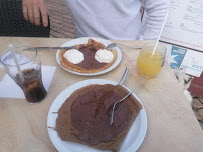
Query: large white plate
x=84 y=40
x=131 y=143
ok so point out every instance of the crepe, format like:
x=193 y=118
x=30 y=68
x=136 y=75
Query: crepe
x=68 y=130
x=94 y=45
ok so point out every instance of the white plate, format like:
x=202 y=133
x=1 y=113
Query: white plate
x=84 y=40
x=131 y=143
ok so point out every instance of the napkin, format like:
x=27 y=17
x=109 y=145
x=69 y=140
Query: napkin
x=9 y=89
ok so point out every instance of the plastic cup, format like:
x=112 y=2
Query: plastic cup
x=148 y=64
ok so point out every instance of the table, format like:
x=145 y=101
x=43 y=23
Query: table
x=172 y=125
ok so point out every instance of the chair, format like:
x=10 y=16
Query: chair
x=12 y=22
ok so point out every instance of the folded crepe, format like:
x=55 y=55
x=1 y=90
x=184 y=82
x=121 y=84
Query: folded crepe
x=84 y=117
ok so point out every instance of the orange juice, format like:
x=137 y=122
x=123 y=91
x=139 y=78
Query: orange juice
x=149 y=64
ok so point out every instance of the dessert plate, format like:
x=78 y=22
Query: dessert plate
x=84 y=40
x=131 y=143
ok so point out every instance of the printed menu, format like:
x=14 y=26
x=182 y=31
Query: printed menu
x=184 y=24
x=183 y=37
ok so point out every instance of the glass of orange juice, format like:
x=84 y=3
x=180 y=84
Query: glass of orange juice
x=148 y=64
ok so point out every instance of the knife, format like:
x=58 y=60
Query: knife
x=41 y=48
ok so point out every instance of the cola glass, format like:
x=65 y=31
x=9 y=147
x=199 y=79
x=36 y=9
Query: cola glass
x=28 y=74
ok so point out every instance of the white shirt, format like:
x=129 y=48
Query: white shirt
x=117 y=19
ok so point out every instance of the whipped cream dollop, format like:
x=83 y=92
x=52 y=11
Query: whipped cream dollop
x=104 y=56
x=74 y=56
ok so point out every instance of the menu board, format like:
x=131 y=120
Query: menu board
x=183 y=38
x=184 y=25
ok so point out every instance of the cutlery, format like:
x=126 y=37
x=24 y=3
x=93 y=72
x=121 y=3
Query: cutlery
x=41 y=48
x=115 y=44
x=114 y=106
x=124 y=76
x=121 y=83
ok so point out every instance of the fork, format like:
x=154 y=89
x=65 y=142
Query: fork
x=124 y=76
x=114 y=106
x=111 y=45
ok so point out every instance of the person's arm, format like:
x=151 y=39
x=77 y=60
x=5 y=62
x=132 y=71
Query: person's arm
x=34 y=9
x=156 y=11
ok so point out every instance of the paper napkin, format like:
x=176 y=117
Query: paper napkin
x=9 y=89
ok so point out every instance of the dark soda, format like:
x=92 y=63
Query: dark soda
x=31 y=85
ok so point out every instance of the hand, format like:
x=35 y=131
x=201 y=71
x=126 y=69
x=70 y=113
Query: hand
x=32 y=9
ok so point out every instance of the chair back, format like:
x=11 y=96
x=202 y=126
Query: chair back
x=12 y=22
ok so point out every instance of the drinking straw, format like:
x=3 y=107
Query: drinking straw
x=157 y=41
x=16 y=61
